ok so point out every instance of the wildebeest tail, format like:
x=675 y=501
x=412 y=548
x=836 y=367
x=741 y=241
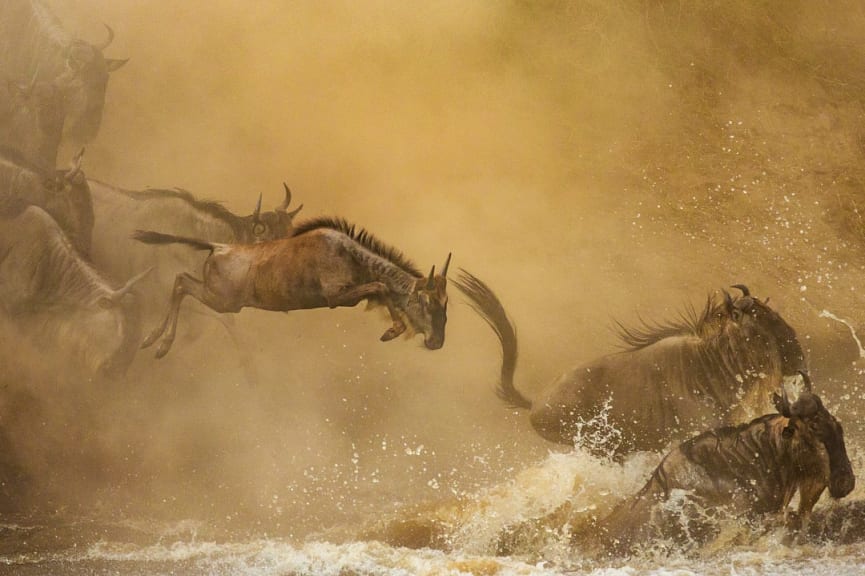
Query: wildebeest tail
x=151 y=237
x=488 y=306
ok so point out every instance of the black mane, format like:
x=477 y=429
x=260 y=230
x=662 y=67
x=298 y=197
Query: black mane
x=362 y=237
x=689 y=323
x=210 y=207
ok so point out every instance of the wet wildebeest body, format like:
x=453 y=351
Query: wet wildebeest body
x=712 y=368
x=327 y=263
x=63 y=194
x=35 y=46
x=743 y=471
x=60 y=301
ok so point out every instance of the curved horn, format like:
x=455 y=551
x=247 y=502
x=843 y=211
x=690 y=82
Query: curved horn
x=743 y=288
x=287 y=200
x=76 y=166
x=108 y=40
x=118 y=294
x=447 y=263
x=806 y=380
x=430 y=283
x=256 y=215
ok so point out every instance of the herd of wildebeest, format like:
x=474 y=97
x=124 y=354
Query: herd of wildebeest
x=81 y=280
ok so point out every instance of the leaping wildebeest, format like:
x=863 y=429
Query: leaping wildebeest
x=34 y=46
x=326 y=263
x=746 y=470
x=61 y=302
x=714 y=367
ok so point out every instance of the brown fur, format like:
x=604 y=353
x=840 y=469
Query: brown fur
x=714 y=367
x=320 y=266
x=751 y=469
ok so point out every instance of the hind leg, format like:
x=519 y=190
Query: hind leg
x=184 y=284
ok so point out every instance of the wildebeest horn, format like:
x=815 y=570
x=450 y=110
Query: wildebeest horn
x=118 y=294
x=108 y=40
x=806 y=380
x=447 y=263
x=430 y=283
x=284 y=206
x=257 y=213
x=287 y=200
x=745 y=292
x=76 y=166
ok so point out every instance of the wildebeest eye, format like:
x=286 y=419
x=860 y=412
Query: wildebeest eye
x=788 y=432
x=258 y=229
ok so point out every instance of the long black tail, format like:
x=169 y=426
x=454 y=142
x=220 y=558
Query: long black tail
x=485 y=303
x=151 y=237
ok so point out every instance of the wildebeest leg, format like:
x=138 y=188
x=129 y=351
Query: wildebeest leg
x=352 y=296
x=398 y=325
x=184 y=284
x=809 y=493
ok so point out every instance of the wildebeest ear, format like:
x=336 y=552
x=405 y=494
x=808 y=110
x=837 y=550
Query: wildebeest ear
x=112 y=64
x=728 y=303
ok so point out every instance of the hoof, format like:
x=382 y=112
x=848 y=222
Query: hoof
x=393 y=332
x=148 y=342
x=163 y=349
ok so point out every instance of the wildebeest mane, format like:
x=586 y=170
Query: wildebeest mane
x=689 y=323
x=362 y=237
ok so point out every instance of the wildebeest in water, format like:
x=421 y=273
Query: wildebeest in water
x=326 y=263
x=60 y=301
x=709 y=368
x=739 y=471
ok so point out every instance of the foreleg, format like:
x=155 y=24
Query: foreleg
x=354 y=295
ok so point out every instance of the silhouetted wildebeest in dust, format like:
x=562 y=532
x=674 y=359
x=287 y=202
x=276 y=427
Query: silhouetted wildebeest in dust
x=743 y=471
x=34 y=46
x=60 y=301
x=119 y=213
x=63 y=194
x=718 y=366
x=326 y=263
x=31 y=122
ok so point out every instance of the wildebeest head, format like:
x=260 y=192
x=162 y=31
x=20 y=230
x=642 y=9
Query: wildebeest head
x=263 y=226
x=809 y=421
x=759 y=323
x=69 y=202
x=83 y=84
x=427 y=307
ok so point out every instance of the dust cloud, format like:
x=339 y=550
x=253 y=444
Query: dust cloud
x=590 y=161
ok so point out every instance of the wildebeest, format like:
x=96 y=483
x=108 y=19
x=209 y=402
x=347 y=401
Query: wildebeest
x=326 y=263
x=31 y=122
x=120 y=212
x=34 y=45
x=746 y=470
x=63 y=194
x=710 y=368
x=60 y=301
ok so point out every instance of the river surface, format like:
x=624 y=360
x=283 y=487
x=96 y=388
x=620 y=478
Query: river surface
x=508 y=528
